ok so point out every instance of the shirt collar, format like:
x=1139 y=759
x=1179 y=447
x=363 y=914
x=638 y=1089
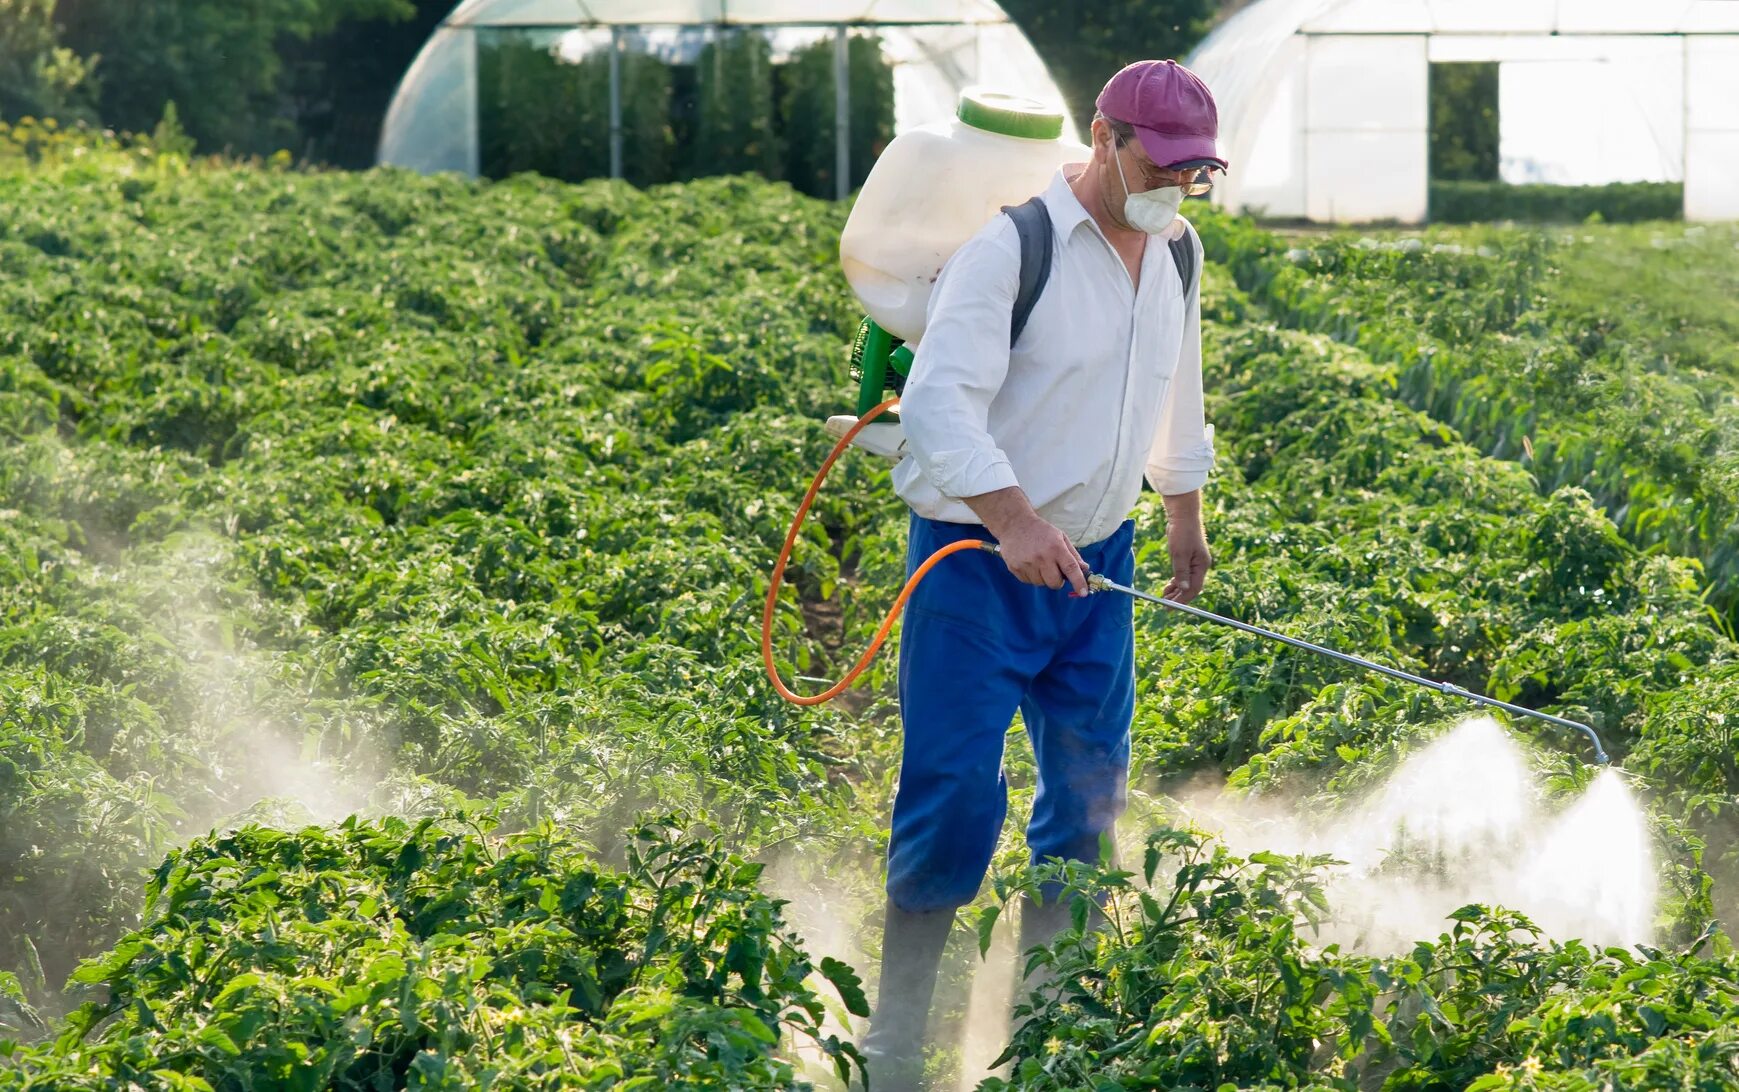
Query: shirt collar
x=1067 y=212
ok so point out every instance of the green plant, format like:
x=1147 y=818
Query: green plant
x=1213 y=980
x=809 y=114
x=435 y=954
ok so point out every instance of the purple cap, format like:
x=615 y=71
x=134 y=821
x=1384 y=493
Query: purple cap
x=1172 y=110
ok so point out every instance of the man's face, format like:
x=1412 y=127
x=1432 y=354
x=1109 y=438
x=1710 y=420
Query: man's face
x=1141 y=173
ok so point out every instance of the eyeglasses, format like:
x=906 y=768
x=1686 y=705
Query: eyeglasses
x=1194 y=182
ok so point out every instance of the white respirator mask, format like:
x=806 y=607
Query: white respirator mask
x=1153 y=211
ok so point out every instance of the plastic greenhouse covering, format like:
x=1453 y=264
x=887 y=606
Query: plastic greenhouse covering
x=1325 y=112
x=742 y=12
x=654 y=90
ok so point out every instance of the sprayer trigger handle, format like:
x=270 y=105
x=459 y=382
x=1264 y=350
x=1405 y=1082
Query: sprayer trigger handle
x=1091 y=586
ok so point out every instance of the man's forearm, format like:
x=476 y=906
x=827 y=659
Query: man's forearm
x=1183 y=508
x=1034 y=550
x=1002 y=510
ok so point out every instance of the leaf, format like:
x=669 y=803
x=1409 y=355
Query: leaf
x=987 y=919
x=1151 y=909
x=756 y=1026
x=215 y=1036
x=237 y=984
x=848 y=983
x=1652 y=1019
x=384 y=970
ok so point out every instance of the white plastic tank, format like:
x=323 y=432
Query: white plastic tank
x=934 y=187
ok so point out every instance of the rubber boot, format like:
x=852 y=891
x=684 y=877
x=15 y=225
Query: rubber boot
x=912 y=945
x=1040 y=924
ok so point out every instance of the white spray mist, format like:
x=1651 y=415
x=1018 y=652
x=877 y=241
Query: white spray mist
x=1460 y=821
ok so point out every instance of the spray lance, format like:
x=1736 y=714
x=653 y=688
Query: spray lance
x=1098 y=583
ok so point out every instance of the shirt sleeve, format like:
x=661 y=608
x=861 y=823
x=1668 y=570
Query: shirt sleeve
x=959 y=366
x=1182 y=453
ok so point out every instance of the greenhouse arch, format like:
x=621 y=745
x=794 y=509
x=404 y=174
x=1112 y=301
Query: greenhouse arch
x=931 y=50
x=1324 y=103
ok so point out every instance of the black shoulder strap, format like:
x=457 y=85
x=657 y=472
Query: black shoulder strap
x=1033 y=221
x=1183 y=255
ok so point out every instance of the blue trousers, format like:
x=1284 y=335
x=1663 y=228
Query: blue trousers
x=976 y=645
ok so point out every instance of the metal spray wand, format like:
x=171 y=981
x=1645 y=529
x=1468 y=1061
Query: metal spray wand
x=1098 y=583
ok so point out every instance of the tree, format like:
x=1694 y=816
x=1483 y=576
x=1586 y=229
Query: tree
x=337 y=86
x=539 y=112
x=221 y=61
x=39 y=77
x=530 y=111
x=1085 y=44
x=1464 y=122
x=736 y=127
x=807 y=112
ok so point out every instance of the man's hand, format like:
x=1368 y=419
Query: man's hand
x=1038 y=553
x=1188 y=545
x=1034 y=551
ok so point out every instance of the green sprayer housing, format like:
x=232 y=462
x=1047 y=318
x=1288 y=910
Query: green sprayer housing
x=880 y=363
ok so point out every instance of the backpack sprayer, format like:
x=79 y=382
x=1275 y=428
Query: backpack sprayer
x=931 y=189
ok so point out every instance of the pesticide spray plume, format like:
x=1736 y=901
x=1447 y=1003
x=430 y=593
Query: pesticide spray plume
x=1461 y=821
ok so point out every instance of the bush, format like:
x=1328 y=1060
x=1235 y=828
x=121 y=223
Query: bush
x=377 y=955
x=1619 y=202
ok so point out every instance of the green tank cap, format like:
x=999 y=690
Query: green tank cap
x=1009 y=115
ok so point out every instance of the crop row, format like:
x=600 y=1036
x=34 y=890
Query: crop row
x=1596 y=391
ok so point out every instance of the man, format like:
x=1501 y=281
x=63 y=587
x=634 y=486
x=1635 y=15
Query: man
x=1042 y=448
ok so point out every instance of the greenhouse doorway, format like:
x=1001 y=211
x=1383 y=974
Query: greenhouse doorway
x=1503 y=145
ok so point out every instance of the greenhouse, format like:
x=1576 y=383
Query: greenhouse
x=1329 y=108
x=656 y=90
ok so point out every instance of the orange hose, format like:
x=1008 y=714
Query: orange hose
x=893 y=612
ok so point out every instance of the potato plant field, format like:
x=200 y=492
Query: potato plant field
x=381 y=561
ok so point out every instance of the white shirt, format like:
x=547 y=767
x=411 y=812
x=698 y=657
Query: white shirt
x=1104 y=384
